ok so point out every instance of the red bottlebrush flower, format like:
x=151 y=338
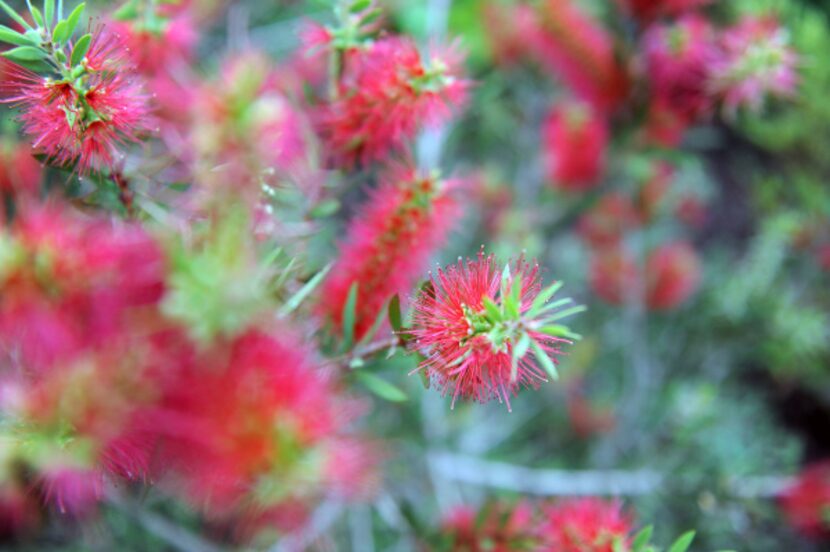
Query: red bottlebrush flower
x=586 y=418
x=806 y=503
x=71 y=284
x=20 y=173
x=575 y=138
x=246 y=127
x=664 y=126
x=757 y=61
x=584 y=525
x=88 y=120
x=389 y=243
x=673 y=275
x=476 y=324
x=498 y=528
x=578 y=49
x=679 y=57
x=606 y=223
x=386 y=93
x=248 y=426
x=614 y=275
x=647 y=10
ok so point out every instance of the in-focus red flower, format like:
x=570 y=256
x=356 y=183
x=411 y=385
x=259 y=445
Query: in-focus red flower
x=673 y=274
x=497 y=528
x=679 y=56
x=608 y=221
x=577 y=49
x=86 y=121
x=387 y=92
x=584 y=525
x=757 y=61
x=806 y=503
x=389 y=243
x=647 y=10
x=575 y=138
x=473 y=352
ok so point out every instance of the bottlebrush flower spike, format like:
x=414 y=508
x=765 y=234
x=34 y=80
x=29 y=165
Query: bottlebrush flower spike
x=387 y=92
x=579 y=50
x=585 y=525
x=673 y=274
x=607 y=222
x=614 y=275
x=389 y=243
x=485 y=332
x=757 y=61
x=679 y=57
x=85 y=115
x=20 y=173
x=806 y=503
x=248 y=425
x=575 y=138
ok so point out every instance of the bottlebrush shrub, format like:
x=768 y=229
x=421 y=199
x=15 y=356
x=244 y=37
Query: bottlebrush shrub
x=647 y=10
x=806 y=503
x=20 y=173
x=568 y=525
x=78 y=100
x=386 y=93
x=577 y=49
x=575 y=138
x=388 y=244
x=486 y=332
x=757 y=61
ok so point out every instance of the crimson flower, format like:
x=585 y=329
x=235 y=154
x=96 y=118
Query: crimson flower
x=90 y=113
x=477 y=325
x=806 y=503
x=585 y=525
x=388 y=244
x=575 y=138
x=387 y=92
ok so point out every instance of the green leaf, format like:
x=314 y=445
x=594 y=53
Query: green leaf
x=359 y=5
x=127 y=12
x=566 y=313
x=73 y=20
x=395 y=319
x=349 y=317
x=48 y=11
x=381 y=387
x=325 y=209
x=556 y=330
x=80 y=49
x=682 y=544
x=296 y=300
x=25 y=53
x=59 y=33
x=544 y=359
x=642 y=539
x=519 y=351
x=14 y=15
x=492 y=309
x=544 y=296
x=36 y=15
x=13 y=37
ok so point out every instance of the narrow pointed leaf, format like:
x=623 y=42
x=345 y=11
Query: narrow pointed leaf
x=560 y=331
x=80 y=49
x=566 y=313
x=544 y=360
x=37 y=16
x=297 y=299
x=14 y=15
x=642 y=539
x=381 y=387
x=349 y=317
x=682 y=544
x=73 y=20
x=545 y=295
x=519 y=351
x=492 y=309
x=48 y=12
x=395 y=319
x=25 y=53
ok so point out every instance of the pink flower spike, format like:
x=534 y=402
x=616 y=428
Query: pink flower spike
x=477 y=327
